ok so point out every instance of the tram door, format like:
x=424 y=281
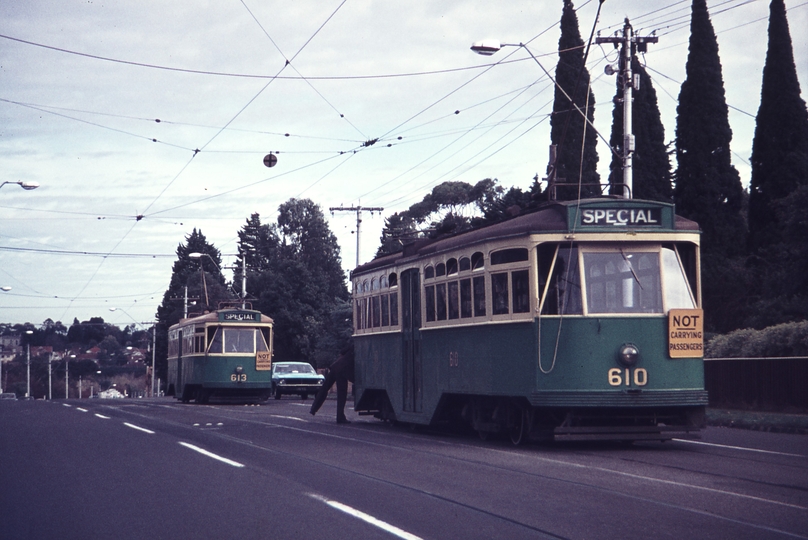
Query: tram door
x=411 y=326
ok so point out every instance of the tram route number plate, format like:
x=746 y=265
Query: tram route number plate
x=686 y=333
x=263 y=361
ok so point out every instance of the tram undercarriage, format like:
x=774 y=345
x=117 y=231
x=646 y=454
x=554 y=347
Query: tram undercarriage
x=519 y=421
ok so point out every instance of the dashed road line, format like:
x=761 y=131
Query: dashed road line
x=740 y=448
x=367 y=518
x=133 y=426
x=212 y=455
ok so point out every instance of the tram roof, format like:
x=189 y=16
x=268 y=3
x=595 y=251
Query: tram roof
x=551 y=217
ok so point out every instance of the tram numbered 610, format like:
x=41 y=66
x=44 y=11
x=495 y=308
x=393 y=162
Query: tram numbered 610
x=224 y=355
x=566 y=323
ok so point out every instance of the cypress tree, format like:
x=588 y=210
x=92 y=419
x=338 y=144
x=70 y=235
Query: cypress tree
x=566 y=123
x=780 y=146
x=652 y=168
x=708 y=188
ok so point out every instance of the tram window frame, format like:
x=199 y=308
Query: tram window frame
x=500 y=301
x=453 y=299
x=449 y=296
x=376 y=305
x=627 y=285
x=441 y=307
x=466 y=299
x=571 y=304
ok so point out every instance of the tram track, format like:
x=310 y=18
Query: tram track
x=390 y=444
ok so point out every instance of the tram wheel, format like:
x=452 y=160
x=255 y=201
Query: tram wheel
x=484 y=435
x=518 y=432
x=277 y=393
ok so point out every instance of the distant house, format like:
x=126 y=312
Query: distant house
x=10 y=346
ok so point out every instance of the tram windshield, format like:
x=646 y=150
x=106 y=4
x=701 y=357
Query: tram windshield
x=237 y=340
x=621 y=280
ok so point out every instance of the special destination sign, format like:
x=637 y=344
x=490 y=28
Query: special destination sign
x=239 y=316
x=686 y=333
x=621 y=217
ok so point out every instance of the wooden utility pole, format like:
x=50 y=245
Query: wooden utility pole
x=358 y=210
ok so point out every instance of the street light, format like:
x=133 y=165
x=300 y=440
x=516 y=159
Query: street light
x=67 y=375
x=488 y=47
x=28 y=362
x=24 y=185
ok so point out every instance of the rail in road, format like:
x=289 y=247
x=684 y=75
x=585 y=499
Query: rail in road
x=160 y=469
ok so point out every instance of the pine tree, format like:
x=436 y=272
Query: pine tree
x=199 y=275
x=780 y=146
x=651 y=166
x=708 y=188
x=568 y=130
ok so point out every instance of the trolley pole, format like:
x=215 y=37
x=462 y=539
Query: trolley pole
x=628 y=83
x=358 y=210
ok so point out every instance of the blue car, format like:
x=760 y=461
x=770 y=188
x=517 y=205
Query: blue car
x=295 y=378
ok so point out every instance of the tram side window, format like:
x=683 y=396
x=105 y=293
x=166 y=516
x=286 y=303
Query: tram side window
x=499 y=293
x=465 y=298
x=454 y=299
x=394 y=308
x=385 y=310
x=376 y=311
x=677 y=293
x=173 y=344
x=563 y=287
x=262 y=339
x=520 y=284
x=440 y=301
x=478 y=283
x=429 y=302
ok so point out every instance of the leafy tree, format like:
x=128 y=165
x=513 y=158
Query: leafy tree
x=780 y=146
x=299 y=281
x=450 y=208
x=650 y=163
x=569 y=132
x=708 y=188
x=205 y=282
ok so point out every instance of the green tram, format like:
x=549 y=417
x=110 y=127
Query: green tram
x=225 y=355
x=581 y=321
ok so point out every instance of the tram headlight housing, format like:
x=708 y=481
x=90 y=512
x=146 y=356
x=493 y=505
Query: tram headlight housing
x=629 y=354
x=239 y=370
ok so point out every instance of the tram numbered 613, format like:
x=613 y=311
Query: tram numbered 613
x=563 y=324
x=225 y=355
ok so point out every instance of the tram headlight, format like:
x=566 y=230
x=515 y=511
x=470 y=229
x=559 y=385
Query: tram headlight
x=629 y=354
x=239 y=370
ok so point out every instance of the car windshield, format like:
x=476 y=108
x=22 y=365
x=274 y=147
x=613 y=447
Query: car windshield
x=293 y=368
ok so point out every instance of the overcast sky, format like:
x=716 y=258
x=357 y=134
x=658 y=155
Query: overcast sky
x=84 y=83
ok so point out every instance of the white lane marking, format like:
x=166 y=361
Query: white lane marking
x=740 y=448
x=102 y=416
x=287 y=417
x=80 y=409
x=211 y=454
x=133 y=426
x=67 y=405
x=367 y=518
